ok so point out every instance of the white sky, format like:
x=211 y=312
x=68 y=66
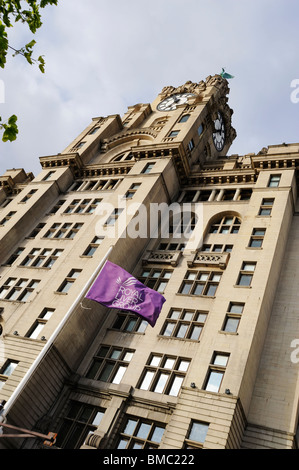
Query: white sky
x=103 y=56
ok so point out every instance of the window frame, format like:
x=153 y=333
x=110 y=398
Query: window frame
x=198 y=278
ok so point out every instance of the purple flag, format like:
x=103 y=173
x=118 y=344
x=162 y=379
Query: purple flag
x=116 y=288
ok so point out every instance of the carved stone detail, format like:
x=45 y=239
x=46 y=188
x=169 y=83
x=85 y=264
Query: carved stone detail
x=202 y=258
x=165 y=257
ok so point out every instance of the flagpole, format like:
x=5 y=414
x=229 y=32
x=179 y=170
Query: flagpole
x=7 y=406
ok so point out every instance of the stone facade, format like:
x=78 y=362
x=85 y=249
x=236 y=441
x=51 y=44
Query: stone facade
x=217 y=370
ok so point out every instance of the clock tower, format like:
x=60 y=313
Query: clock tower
x=205 y=103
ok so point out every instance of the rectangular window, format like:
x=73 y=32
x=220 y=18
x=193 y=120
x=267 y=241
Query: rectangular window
x=200 y=283
x=191 y=145
x=14 y=257
x=274 y=181
x=148 y=167
x=129 y=323
x=80 y=420
x=196 y=435
x=7 y=217
x=113 y=217
x=130 y=193
x=246 y=274
x=6 y=371
x=29 y=195
x=266 y=207
x=84 y=206
x=173 y=133
x=257 y=237
x=156 y=279
x=17 y=289
x=63 y=231
x=164 y=374
x=49 y=175
x=57 y=206
x=184 y=324
x=216 y=372
x=69 y=281
x=38 y=258
x=93 y=246
x=233 y=316
x=36 y=231
x=138 y=433
x=40 y=323
x=110 y=364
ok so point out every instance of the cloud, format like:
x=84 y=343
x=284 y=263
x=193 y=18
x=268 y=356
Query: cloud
x=102 y=57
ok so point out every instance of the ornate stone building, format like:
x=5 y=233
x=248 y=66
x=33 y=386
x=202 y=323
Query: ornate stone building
x=219 y=369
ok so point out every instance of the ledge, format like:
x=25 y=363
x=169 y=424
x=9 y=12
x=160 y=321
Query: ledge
x=203 y=258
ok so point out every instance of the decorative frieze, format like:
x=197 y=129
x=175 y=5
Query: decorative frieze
x=202 y=258
x=161 y=256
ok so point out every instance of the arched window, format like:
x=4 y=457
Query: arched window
x=226 y=224
x=184 y=118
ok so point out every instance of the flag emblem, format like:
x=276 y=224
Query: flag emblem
x=116 y=288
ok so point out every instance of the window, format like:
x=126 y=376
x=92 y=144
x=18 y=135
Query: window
x=67 y=230
x=69 y=280
x=217 y=248
x=113 y=217
x=17 y=289
x=228 y=224
x=200 y=129
x=80 y=420
x=78 y=145
x=130 y=193
x=110 y=364
x=173 y=133
x=6 y=202
x=184 y=324
x=85 y=206
x=14 y=257
x=8 y=368
x=182 y=224
x=257 y=237
x=171 y=246
x=140 y=434
x=245 y=194
x=164 y=374
x=233 y=316
x=148 y=167
x=92 y=247
x=266 y=207
x=57 y=206
x=156 y=279
x=48 y=175
x=274 y=181
x=191 y=145
x=6 y=371
x=94 y=130
x=216 y=372
x=41 y=258
x=246 y=274
x=40 y=323
x=196 y=435
x=184 y=118
x=200 y=283
x=7 y=218
x=129 y=323
x=36 y=231
x=29 y=195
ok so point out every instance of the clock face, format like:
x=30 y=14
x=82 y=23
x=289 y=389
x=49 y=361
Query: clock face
x=219 y=133
x=170 y=103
